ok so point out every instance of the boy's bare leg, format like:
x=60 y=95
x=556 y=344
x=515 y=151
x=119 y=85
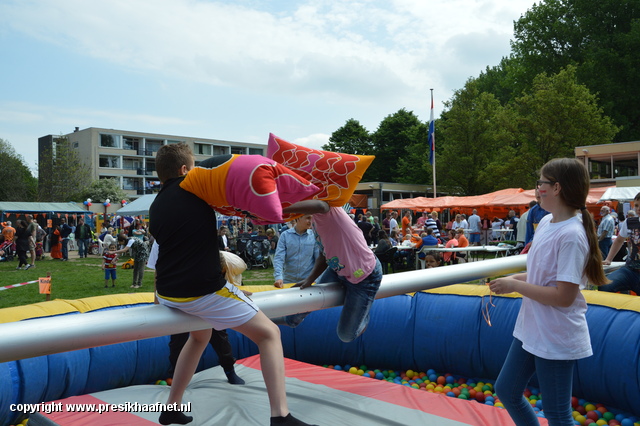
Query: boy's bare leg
x=264 y=333
x=187 y=364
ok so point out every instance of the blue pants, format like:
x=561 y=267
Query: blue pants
x=623 y=279
x=554 y=376
x=65 y=248
x=605 y=246
x=110 y=273
x=83 y=246
x=358 y=300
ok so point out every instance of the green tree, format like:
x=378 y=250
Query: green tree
x=549 y=121
x=467 y=142
x=62 y=176
x=601 y=38
x=18 y=184
x=396 y=135
x=102 y=189
x=352 y=138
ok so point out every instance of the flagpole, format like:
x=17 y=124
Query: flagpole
x=432 y=146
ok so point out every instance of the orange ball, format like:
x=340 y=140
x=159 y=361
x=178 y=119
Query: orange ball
x=441 y=380
x=169 y=381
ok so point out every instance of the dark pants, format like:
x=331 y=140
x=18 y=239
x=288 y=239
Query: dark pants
x=219 y=342
x=65 y=248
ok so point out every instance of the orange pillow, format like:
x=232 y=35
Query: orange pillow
x=336 y=174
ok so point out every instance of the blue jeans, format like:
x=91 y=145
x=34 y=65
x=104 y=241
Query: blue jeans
x=358 y=300
x=554 y=376
x=83 y=246
x=623 y=279
x=65 y=248
x=605 y=246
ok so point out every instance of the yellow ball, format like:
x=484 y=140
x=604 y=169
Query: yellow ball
x=498 y=404
x=353 y=370
x=590 y=407
x=601 y=422
x=360 y=372
x=580 y=419
x=410 y=373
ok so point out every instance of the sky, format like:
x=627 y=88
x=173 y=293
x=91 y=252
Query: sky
x=237 y=70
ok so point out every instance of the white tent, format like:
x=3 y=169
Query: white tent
x=138 y=207
x=622 y=194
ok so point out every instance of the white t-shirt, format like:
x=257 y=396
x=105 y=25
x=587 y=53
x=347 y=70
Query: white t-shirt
x=558 y=253
x=393 y=224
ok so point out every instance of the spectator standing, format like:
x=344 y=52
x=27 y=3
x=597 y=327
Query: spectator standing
x=22 y=243
x=296 y=253
x=522 y=225
x=56 y=243
x=386 y=222
x=366 y=227
x=475 y=228
x=224 y=242
x=32 y=230
x=432 y=222
x=536 y=213
x=65 y=231
x=605 y=231
x=406 y=223
x=393 y=222
x=139 y=252
x=83 y=237
x=273 y=243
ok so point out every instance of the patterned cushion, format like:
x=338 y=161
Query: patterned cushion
x=334 y=173
x=248 y=186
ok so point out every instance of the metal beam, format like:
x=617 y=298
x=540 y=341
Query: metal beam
x=44 y=336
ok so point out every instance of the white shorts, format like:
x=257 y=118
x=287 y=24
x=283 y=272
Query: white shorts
x=226 y=308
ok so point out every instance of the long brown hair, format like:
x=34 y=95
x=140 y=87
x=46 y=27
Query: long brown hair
x=573 y=178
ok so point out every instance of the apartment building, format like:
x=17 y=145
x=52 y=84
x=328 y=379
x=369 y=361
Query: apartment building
x=129 y=156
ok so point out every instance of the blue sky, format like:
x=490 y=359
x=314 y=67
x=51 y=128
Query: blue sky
x=237 y=70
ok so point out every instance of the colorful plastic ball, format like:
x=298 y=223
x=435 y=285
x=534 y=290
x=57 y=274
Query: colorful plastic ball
x=580 y=419
x=379 y=376
x=626 y=422
x=353 y=370
x=608 y=416
x=169 y=381
x=360 y=372
x=593 y=414
x=337 y=367
x=539 y=404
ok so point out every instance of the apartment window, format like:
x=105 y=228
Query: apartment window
x=256 y=151
x=131 y=164
x=131 y=143
x=238 y=150
x=170 y=141
x=151 y=166
x=110 y=141
x=220 y=150
x=153 y=145
x=202 y=149
x=110 y=161
x=131 y=183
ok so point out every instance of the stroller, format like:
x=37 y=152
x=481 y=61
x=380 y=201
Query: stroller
x=9 y=248
x=254 y=251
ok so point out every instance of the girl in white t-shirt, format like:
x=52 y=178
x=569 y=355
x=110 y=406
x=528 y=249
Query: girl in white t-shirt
x=551 y=329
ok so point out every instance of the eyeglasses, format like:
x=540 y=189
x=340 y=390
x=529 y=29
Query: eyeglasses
x=540 y=182
x=485 y=306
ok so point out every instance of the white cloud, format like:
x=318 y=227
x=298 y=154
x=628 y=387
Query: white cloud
x=314 y=141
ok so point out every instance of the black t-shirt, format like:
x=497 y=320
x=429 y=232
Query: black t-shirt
x=185 y=228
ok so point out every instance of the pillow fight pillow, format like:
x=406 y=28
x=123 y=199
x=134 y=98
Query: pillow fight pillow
x=334 y=173
x=248 y=186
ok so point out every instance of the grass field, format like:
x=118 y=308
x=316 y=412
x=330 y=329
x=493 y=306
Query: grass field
x=79 y=278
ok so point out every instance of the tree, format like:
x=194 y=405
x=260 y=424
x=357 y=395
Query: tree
x=601 y=38
x=468 y=143
x=352 y=138
x=557 y=115
x=103 y=189
x=62 y=176
x=18 y=184
x=395 y=136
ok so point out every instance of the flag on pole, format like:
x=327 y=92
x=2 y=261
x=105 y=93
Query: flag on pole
x=432 y=136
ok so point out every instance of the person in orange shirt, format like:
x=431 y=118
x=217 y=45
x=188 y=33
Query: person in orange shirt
x=406 y=223
x=450 y=256
x=462 y=242
x=8 y=231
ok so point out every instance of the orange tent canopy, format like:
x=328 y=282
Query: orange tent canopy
x=494 y=203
